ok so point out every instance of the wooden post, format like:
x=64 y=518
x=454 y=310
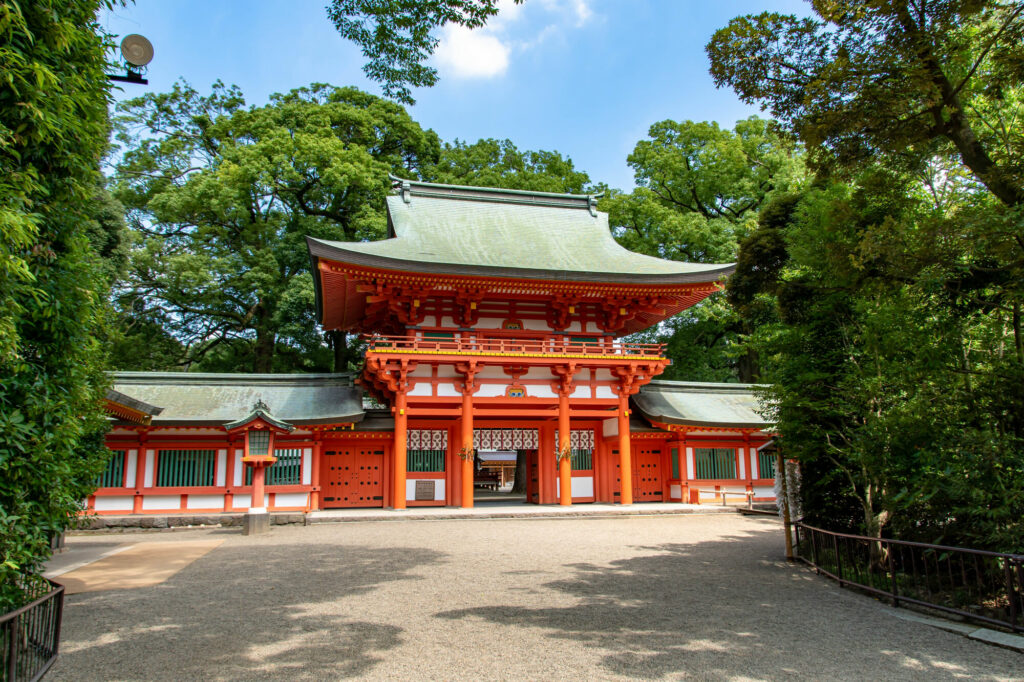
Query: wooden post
x=780 y=470
x=467 y=444
x=401 y=444
x=625 y=461
x=314 y=478
x=564 y=442
x=256 y=503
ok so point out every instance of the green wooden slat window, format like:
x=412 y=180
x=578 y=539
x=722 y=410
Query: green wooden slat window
x=186 y=468
x=431 y=461
x=714 y=463
x=765 y=465
x=583 y=339
x=113 y=473
x=675 y=463
x=582 y=459
x=287 y=470
x=439 y=335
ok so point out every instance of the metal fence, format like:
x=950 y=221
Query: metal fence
x=29 y=637
x=979 y=585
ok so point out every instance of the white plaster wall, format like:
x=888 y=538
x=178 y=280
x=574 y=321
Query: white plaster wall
x=610 y=427
x=743 y=463
x=605 y=392
x=410 y=489
x=495 y=390
x=290 y=500
x=574 y=327
x=536 y=325
x=307 y=466
x=132 y=468
x=604 y=375
x=447 y=372
x=222 y=467
x=447 y=390
x=421 y=388
x=582 y=486
x=542 y=391
x=675 y=492
x=154 y=502
x=114 y=503
x=754 y=468
x=422 y=371
x=492 y=373
x=147 y=476
x=447 y=321
x=237 y=480
x=690 y=472
x=764 y=491
x=205 y=502
x=245 y=501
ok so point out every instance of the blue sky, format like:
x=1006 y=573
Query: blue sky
x=584 y=77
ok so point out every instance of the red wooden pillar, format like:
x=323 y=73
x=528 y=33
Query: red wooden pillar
x=140 y=474
x=467 y=447
x=625 y=460
x=564 y=441
x=398 y=494
x=229 y=474
x=545 y=462
x=314 y=478
x=256 y=503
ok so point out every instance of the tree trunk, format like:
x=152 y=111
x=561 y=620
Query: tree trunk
x=340 y=347
x=519 y=484
x=263 y=350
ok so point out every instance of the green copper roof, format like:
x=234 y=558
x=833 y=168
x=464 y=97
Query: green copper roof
x=700 y=404
x=196 y=399
x=480 y=231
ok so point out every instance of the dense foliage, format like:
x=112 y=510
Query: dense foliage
x=699 y=191
x=897 y=362
x=222 y=197
x=53 y=130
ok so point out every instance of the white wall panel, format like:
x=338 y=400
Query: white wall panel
x=222 y=467
x=114 y=503
x=155 y=502
x=205 y=502
x=132 y=468
x=147 y=476
x=290 y=500
x=307 y=466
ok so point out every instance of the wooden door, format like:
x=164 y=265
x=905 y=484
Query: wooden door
x=353 y=477
x=647 y=485
x=646 y=471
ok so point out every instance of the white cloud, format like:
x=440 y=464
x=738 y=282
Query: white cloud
x=484 y=52
x=471 y=54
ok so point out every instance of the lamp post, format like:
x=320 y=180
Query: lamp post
x=261 y=429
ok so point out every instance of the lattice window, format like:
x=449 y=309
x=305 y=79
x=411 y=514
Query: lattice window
x=582 y=459
x=287 y=470
x=113 y=473
x=426 y=460
x=186 y=468
x=766 y=465
x=714 y=463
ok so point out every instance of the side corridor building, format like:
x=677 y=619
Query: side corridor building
x=493 y=321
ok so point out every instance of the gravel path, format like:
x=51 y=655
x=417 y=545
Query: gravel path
x=702 y=597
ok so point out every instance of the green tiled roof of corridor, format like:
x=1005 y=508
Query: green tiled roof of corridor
x=700 y=404
x=449 y=229
x=201 y=399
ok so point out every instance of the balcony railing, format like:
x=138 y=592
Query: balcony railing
x=555 y=347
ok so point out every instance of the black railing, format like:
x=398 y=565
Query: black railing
x=979 y=585
x=29 y=637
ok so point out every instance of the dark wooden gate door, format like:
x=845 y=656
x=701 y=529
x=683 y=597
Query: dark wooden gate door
x=353 y=477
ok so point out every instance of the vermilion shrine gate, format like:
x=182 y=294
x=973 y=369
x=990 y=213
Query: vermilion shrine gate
x=493 y=321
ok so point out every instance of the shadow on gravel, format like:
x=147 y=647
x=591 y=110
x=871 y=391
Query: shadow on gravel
x=725 y=609
x=241 y=612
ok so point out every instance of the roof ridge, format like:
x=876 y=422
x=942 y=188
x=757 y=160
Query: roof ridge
x=410 y=188
x=226 y=378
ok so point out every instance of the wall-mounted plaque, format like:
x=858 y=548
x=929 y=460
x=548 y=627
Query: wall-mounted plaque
x=425 y=490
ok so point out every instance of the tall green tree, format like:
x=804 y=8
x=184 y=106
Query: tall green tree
x=499 y=163
x=223 y=196
x=904 y=79
x=699 y=191
x=53 y=130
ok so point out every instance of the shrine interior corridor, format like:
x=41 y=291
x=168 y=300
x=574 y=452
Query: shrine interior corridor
x=633 y=597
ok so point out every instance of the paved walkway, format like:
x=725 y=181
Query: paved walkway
x=653 y=597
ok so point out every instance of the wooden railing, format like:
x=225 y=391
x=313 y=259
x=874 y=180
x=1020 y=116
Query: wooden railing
x=499 y=346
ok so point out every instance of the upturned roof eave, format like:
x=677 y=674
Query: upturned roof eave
x=321 y=249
